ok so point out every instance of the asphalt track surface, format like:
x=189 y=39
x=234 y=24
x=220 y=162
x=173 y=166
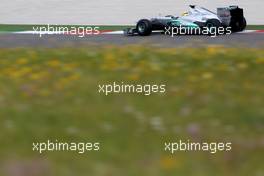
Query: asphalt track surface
x=250 y=40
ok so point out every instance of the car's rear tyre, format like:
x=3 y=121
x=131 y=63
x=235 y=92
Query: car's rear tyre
x=212 y=26
x=238 y=25
x=244 y=24
x=144 y=27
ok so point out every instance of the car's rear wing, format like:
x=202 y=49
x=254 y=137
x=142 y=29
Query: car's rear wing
x=226 y=14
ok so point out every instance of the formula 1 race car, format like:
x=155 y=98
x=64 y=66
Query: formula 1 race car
x=197 y=17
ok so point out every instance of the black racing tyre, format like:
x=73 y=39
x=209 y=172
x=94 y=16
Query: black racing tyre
x=213 y=25
x=243 y=25
x=238 y=25
x=144 y=27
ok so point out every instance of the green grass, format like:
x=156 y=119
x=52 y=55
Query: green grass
x=255 y=27
x=13 y=27
x=212 y=94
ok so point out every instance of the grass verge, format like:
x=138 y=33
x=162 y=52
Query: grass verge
x=13 y=28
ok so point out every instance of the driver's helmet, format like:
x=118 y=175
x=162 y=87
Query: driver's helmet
x=185 y=14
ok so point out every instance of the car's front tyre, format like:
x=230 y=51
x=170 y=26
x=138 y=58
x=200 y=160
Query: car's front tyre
x=144 y=27
x=212 y=26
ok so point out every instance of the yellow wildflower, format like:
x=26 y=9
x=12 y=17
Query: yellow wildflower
x=168 y=163
x=22 y=61
x=260 y=60
x=133 y=77
x=242 y=65
x=207 y=75
x=212 y=50
x=53 y=63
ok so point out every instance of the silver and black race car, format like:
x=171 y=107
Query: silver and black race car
x=197 y=17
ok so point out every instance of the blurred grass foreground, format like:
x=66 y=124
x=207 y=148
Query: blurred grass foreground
x=212 y=94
